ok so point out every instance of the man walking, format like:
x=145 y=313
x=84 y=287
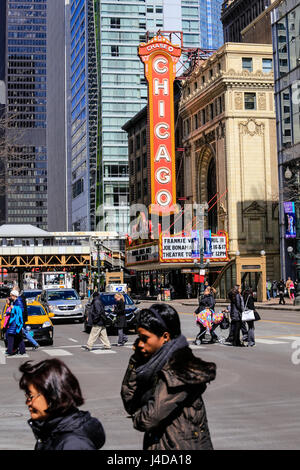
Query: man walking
x=97 y=320
x=281 y=292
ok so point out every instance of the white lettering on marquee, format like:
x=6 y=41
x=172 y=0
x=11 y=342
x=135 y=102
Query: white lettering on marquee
x=160 y=60
x=163 y=198
x=157 y=130
x=162 y=153
x=163 y=175
x=161 y=86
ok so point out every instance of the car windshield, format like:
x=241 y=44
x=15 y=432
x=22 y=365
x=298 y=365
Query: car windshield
x=35 y=310
x=62 y=295
x=31 y=293
x=109 y=299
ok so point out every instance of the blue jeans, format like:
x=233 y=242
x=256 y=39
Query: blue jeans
x=122 y=337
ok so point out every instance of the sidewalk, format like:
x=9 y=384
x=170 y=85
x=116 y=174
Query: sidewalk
x=272 y=304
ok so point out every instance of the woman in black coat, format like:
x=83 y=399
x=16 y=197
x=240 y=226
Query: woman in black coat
x=206 y=301
x=120 y=322
x=52 y=395
x=249 y=303
x=236 y=310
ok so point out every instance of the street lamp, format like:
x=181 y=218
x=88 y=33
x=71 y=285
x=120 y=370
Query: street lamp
x=201 y=265
x=98 y=244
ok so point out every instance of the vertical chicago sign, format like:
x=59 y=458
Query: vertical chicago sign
x=160 y=57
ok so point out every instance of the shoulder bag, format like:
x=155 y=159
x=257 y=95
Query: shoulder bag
x=248 y=315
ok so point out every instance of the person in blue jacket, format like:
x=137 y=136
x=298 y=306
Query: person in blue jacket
x=14 y=334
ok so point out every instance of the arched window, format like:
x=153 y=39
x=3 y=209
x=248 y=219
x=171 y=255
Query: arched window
x=211 y=192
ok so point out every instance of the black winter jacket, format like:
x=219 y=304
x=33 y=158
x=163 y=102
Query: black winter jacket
x=97 y=313
x=74 y=431
x=174 y=417
x=236 y=307
x=206 y=301
x=120 y=312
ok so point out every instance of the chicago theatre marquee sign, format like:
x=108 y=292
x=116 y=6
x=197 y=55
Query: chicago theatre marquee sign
x=160 y=57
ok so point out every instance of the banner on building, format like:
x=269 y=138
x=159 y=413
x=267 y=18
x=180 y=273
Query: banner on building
x=160 y=57
x=290 y=219
x=142 y=254
x=181 y=249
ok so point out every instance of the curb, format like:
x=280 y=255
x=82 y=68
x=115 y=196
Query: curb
x=290 y=308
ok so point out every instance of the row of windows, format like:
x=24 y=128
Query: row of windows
x=25 y=50
x=28 y=196
x=81 y=169
x=290 y=116
x=288 y=42
x=81 y=156
x=247 y=64
x=77 y=188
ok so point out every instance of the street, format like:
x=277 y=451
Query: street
x=254 y=402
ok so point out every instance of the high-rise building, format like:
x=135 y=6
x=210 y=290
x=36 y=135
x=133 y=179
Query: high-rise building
x=237 y=14
x=211 y=29
x=25 y=79
x=285 y=20
x=108 y=88
x=58 y=115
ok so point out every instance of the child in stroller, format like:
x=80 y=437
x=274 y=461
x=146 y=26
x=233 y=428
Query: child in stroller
x=208 y=320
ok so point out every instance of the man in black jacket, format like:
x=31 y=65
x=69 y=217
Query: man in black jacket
x=98 y=330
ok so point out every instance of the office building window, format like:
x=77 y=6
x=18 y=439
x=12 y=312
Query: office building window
x=115 y=23
x=247 y=64
x=286 y=125
x=250 y=101
x=267 y=65
x=115 y=51
x=77 y=188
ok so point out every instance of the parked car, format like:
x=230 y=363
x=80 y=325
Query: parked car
x=109 y=302
x=31 y=294
x=39 y=323
x=65 y=304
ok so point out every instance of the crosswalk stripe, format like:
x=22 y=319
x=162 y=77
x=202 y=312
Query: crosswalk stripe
x=291 y=338
x=57 y=352
x=103 y=351
x=195 y=346
x=269 y=341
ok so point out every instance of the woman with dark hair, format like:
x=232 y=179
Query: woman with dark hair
x=236 y=310
x=164 y=382
x=249 y=303
x=52 y=395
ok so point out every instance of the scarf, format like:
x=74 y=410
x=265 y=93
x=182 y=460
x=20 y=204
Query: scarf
x=146 y=372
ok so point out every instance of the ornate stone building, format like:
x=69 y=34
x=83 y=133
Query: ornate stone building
x=229 y=135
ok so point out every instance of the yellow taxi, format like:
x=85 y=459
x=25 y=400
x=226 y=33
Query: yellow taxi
x=38 y=325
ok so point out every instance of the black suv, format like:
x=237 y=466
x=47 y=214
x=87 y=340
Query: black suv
x=109 y=303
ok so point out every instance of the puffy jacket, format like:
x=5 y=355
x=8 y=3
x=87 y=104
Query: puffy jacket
x=97 y=312
x=174 y=418
x=15 y=323
x=206 y=301
x=74 y=431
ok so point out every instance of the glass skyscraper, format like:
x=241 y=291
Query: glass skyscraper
x=25 y=80
x=211 y=28
x=108 y=87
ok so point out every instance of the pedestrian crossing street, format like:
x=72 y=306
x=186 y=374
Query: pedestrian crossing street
x=72 y=349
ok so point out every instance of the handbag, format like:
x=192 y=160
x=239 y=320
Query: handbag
x=256 y=315
x=224 y=325
x=248 y=315
x=6 y=321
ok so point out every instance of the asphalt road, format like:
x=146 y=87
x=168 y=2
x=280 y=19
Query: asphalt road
x=254 y=402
